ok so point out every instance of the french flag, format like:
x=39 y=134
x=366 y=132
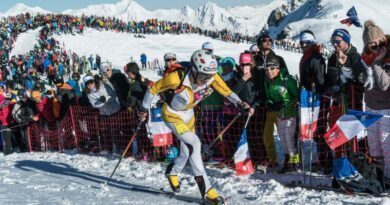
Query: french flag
x=158 y=131
x=242 y=158
x=310 y=108
x=348 y=126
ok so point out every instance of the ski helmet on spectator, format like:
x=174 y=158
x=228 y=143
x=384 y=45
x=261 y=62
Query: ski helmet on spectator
x=254 y=48
x=87 y=79
x=245 y=58
x=172 y=153
x=208 y=46
x=204 y=62
x=169 y=56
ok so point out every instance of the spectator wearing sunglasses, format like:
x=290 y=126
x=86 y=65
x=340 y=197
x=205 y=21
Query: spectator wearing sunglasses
x=376 y=56
x=265 y=44
x=342 y=81
x=281 y=98
x=169 y=59
x=312 y=75
x=119 y=82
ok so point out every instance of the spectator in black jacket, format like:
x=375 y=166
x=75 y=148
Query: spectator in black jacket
x=312 y=75
x=265 y=43
x=138 y=86
x=118 y=81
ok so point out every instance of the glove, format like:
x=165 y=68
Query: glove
x=102 y=99
x=241 y=108
x=274 y=107
x=369 y=81
x=332 y=91
x=143 y=113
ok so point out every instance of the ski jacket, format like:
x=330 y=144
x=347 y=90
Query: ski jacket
x=282 y=90
x=110 y=105
x=378 y=98
x=312 y=70
x=191 y=94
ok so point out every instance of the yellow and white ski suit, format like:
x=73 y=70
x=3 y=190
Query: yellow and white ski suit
x=179 y=116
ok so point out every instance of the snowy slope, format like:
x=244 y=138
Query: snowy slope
x=118 y=48
x=25 y=42
x=57 y=178
x=22 y=8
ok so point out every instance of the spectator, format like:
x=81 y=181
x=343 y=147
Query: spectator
x=376 y=56
x=118 y=81
x=312 y=75
x=9 y=142
x=144 y=60
x=138 y=86
x=281 y=97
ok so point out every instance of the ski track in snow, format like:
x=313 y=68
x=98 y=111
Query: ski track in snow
x=70 y=178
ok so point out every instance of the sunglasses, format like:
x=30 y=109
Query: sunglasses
x=266 y=40
x=90 y=82
x=377 y=46
x=270 y=68
x=337 y=42
x=245 y=64
x=306 y=42
x=170 y=59
x=255 y=52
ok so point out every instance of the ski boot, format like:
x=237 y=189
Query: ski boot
x=211 y=197
x=173 y=179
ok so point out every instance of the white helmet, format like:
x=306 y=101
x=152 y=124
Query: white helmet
x=254 y=48
x=169 y=56
x=208 y=46
x=204 y=62
x=86 y=79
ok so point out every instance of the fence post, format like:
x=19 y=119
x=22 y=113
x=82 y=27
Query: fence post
x=29 y=138
x=76 y=141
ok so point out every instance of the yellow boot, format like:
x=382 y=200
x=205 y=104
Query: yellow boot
x=174 y=183
x=212 y=197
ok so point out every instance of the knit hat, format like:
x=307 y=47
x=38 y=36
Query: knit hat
x=307 y=36
x=272 y=61
x=245 y=58
x=87 y=79
x=132 y=67
x=371 y=32
x=344 y=34
x=169 y=56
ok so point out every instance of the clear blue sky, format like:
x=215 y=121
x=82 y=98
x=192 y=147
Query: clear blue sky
x=60 y=5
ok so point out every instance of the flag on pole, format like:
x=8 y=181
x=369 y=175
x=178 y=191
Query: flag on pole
x=242 y=158
x=352 y=18
x=348 y=126
x=310 y=108
x=160 y=134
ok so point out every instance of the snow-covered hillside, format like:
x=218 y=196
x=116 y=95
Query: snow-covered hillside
x=118 y=48
x=22 y=8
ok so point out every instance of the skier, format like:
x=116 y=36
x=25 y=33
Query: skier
x=144 y=59
x=187 y=88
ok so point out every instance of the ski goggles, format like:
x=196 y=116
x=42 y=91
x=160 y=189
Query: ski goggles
x=202 y=77
x=271 y=68
x=170 y=59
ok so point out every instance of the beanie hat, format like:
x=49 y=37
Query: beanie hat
x=245 y=58
x=261 y=37
x=132 y=67
x=308 y=37
x=371 y=32
x=169 y=56
x=229 y=61
x=344 y=34
x=87 y=78
x=272 y=61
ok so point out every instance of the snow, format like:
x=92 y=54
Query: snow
x=70 y=178
x=118 y=48
x=25 y=42
x=22 y=8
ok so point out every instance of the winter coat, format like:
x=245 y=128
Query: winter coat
x=312 y=70
x=137 y=90
x=6 y=113
x=378 y=98
x=110 y=105
x=121 y=85
x=66 y=98
x=23 y=112
x=338 y=82
x=259 y=73
x=247 y=91
x=282 y=90
x=46 y=110
x=143 y=58
x=75 y=87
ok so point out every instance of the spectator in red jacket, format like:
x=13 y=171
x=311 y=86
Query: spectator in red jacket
x=6 y=120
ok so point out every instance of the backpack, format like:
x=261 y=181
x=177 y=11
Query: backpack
x=182 y=71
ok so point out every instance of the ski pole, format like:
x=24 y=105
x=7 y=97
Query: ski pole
x=220 y=135
x=124 y=152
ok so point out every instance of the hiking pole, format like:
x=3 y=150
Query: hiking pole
x=220 y=135
x=124 y=152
